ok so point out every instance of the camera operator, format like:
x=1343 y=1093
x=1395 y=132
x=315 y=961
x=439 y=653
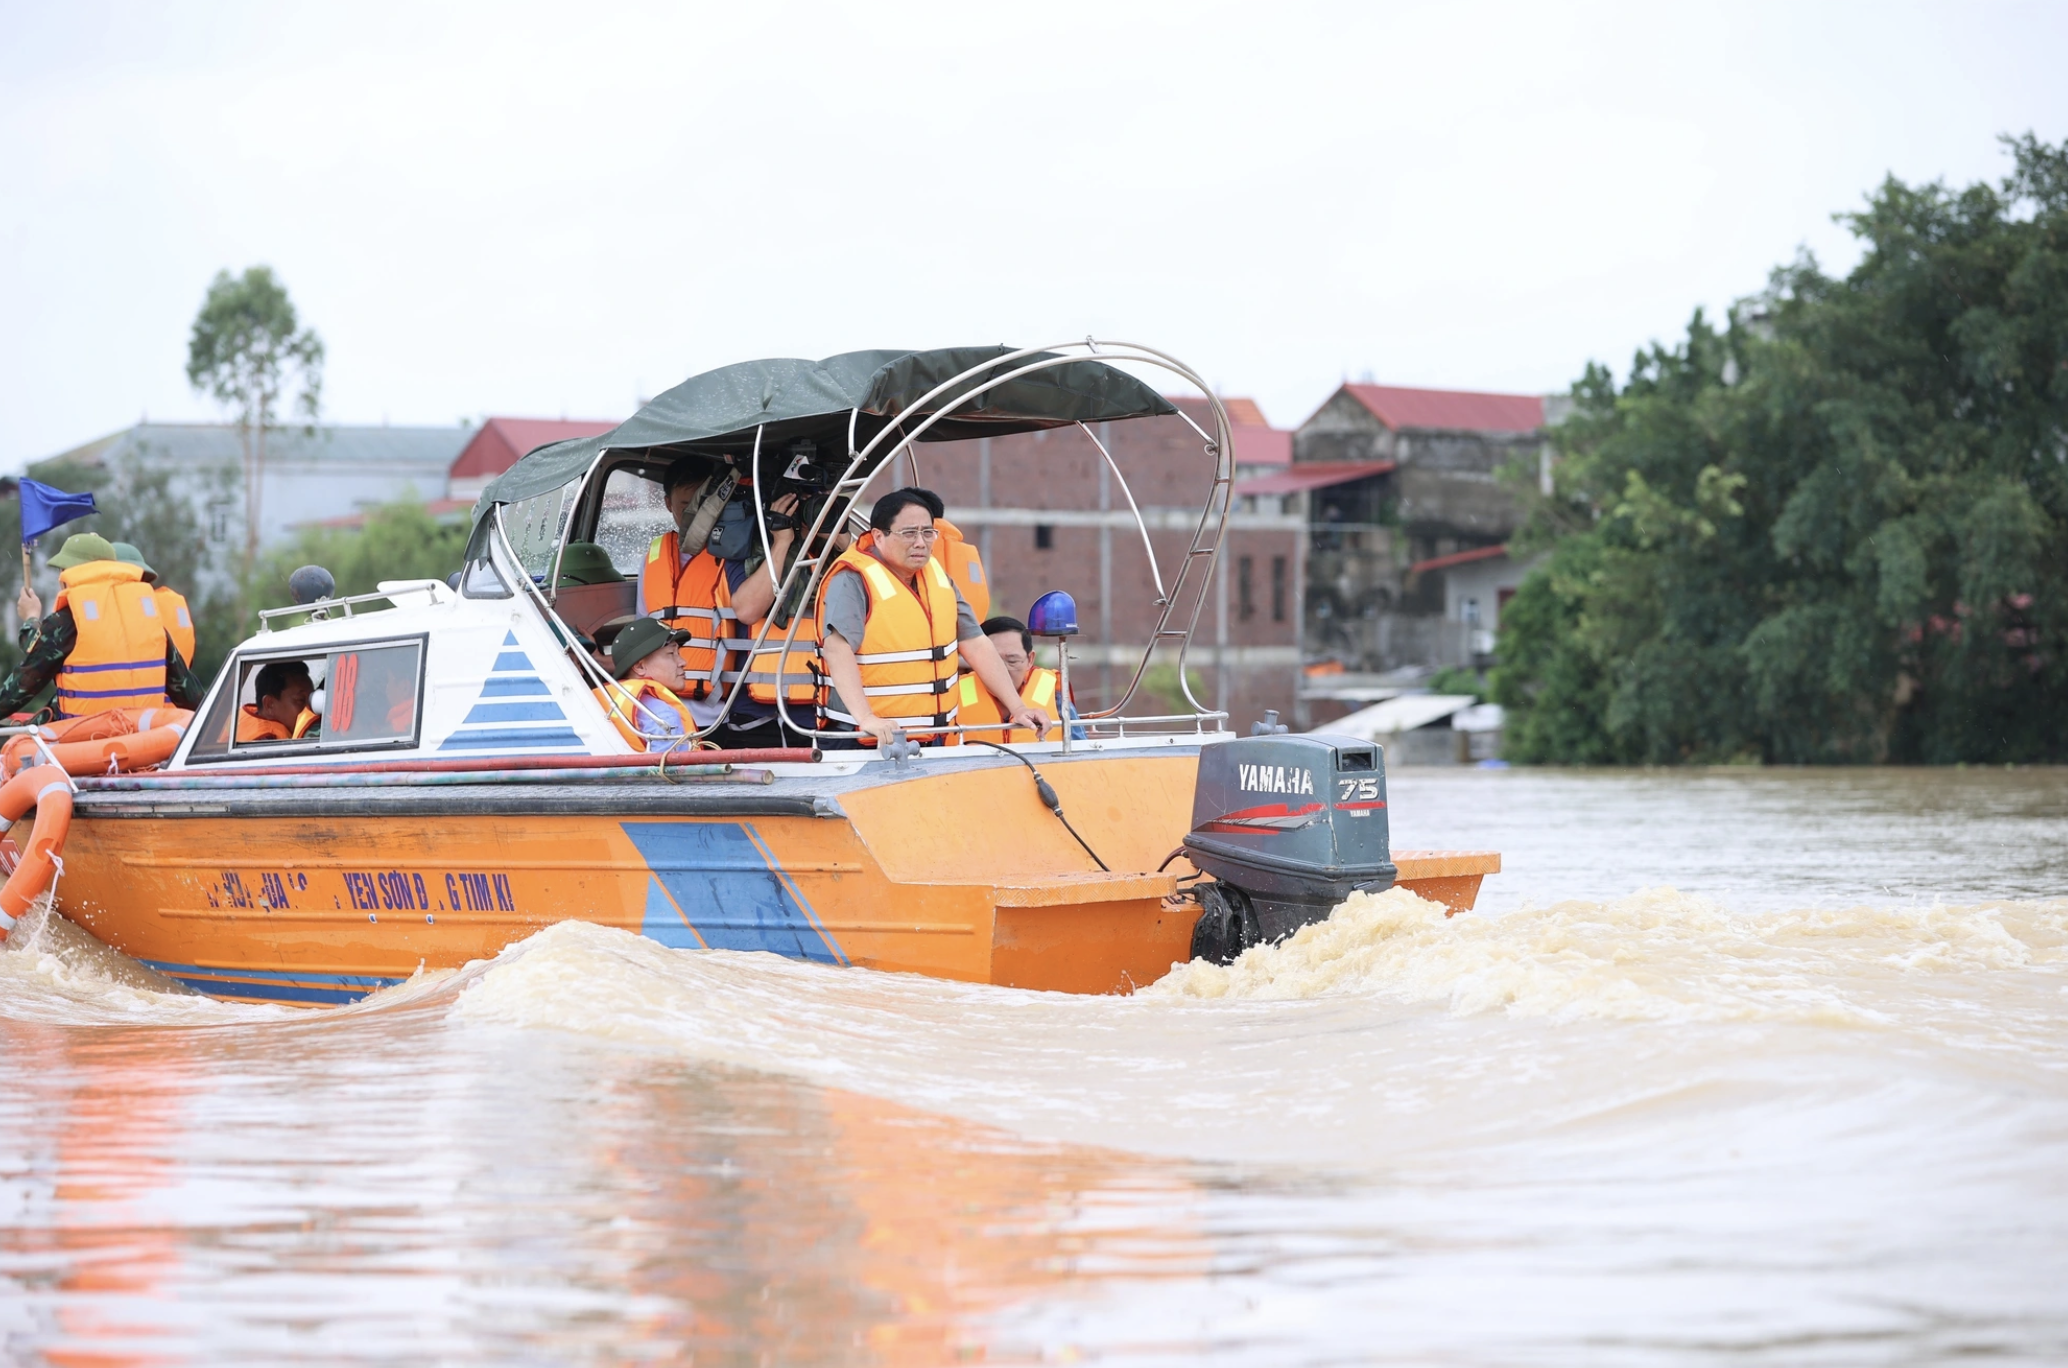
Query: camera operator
x=749 y=594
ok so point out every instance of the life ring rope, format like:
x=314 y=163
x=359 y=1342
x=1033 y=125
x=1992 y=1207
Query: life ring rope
x=104 y=743
x=49 y=792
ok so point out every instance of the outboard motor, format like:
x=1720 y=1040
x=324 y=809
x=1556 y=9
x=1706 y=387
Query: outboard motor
x=1289 y=826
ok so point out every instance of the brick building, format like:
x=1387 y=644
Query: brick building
x=1047 y=513
x=1403 y=493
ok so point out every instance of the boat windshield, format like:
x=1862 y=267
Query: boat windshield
x=633 y=511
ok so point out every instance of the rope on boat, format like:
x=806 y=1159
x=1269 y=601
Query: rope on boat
x=1048 y=796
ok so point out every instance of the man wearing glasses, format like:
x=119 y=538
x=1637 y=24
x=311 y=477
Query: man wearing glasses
x=892 y=626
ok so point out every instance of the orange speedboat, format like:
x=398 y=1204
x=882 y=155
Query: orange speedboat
x=467 y=788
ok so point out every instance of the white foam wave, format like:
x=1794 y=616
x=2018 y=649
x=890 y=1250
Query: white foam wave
x=1654 y=955
x=53 y=972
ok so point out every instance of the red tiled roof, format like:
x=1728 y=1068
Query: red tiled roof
x=1477 y=553
x=1244 y=412
x=1465 y=410
x=502 y=441
x=1313 y=475
x=1257 y=443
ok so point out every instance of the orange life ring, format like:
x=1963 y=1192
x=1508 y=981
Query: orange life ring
x=47 y=791
x=103 y=743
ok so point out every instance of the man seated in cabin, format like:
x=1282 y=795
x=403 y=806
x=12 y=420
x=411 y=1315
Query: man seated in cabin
x=1036 y=684
x=893 y=626
x=644 y=704
x=282 y=711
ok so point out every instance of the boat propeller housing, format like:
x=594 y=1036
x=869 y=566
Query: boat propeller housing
x=1288 y=826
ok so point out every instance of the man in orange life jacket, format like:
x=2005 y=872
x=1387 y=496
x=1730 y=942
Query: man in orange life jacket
x=646 y=703
x=105 y=644
x=281 y=713
x=892 y=625
x=1037 y=684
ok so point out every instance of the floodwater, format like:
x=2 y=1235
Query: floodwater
x=1729 y=1067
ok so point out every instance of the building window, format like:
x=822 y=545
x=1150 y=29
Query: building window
x=1245 y=588
x=1278 y=588
x=219 y=511
x=1470 y=612
x=1044 y=536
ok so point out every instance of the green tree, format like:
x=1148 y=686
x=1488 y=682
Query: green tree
x=1837 y=528
x=398 y=541
x=248 y=351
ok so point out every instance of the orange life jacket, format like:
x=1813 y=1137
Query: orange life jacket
x=119 y=658
x=960 y=559
x=686 y=596
x=621 y=702
x=979 y=709
x=907 y=653
x=252 y=727
x=799 y=671
x=179 y=622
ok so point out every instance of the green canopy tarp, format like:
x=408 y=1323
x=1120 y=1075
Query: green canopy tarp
x=718 y=412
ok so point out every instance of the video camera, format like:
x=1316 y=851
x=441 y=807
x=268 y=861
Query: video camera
x=734 y=534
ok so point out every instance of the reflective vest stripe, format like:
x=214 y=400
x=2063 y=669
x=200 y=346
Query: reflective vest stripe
x=114 y=665
x=139 y=691
x=938 y=686
x=898 y=657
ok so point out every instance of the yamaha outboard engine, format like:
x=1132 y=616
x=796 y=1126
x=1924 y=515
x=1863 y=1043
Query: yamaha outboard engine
x=1289 y=826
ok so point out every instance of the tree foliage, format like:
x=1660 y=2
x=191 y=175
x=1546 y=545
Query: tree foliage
x=247 y=351
x=398 y=541
x=1835 y=529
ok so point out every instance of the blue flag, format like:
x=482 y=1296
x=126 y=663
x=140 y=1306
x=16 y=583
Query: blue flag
x=44 y=508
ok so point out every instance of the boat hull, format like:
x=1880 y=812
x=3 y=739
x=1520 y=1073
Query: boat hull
x=319 y=896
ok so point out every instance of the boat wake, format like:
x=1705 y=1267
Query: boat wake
x=1385 y=1032
x=1657 y=955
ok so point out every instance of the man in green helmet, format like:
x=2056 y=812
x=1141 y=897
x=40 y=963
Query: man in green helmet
x=104 y=645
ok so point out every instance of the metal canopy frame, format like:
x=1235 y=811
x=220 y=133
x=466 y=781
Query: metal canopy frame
x=1182 y=601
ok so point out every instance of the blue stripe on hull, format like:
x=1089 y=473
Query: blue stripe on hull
x=714 y=885
x=271 y=986
x=270 y=992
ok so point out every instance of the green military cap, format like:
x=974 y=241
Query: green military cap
x=586 y=563
x=81 y=547
x=129 y=555
x=637 y=640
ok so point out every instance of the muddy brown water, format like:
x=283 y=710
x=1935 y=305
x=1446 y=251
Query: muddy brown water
x=1729 y=1067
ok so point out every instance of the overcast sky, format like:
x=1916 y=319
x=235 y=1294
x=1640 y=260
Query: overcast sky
x=501 y=209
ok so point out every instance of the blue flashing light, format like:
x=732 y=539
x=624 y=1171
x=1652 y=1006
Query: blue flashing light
x=1054 y=614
